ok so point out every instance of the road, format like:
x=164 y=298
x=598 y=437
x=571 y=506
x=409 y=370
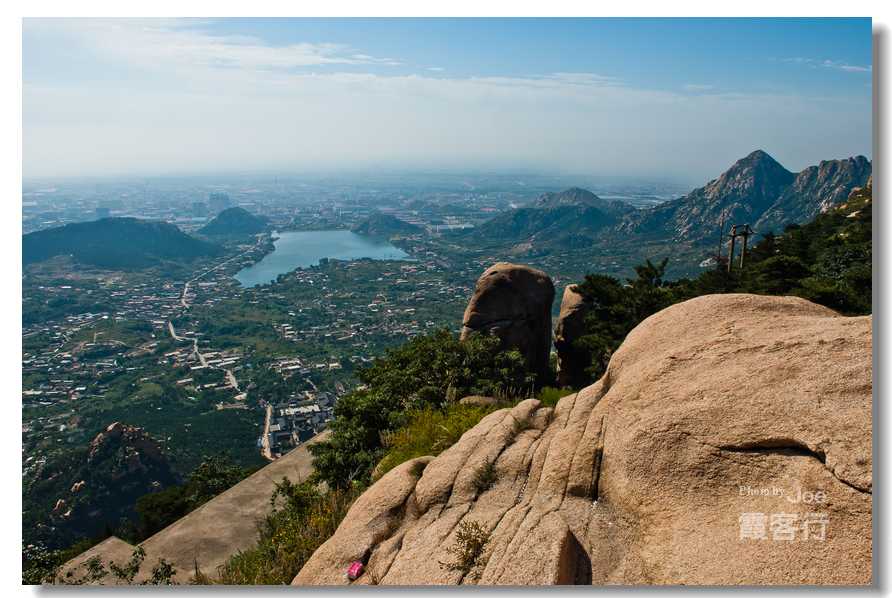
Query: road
x=184 y=297
x=198 y=355
x=265 y=450
x=173 y=333
x=232 y=381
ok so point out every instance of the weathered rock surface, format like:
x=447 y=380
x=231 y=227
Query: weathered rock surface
x=514 y=303
x=711 y=415
x=571 y=360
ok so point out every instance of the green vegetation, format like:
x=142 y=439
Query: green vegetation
x=427 y=372
x=234 y=221
x=429 y=431
x=471 y=540
x=116 y=243
x=485 y=476
x=96 y=572
x=549 y=396
x=303 y=517
x=827 y=261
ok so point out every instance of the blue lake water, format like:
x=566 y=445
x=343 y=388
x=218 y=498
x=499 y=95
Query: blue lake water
x=306 y=248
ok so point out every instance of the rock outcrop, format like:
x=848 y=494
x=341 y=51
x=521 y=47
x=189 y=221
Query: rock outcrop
x=680 y=466
x=514 y=303
x=571 y=360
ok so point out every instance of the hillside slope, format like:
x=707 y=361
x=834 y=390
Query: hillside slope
x=115 y=243
x=566 y=219
x=234 y=221
x=379 y=224
x=642 y=477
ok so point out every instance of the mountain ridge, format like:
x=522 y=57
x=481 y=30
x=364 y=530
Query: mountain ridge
x=117 y=242
x=756 y=189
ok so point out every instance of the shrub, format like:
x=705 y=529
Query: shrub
x=549 y=396
x=485 y=476
x=471 y=540
x=429 y=431
x=426 y=372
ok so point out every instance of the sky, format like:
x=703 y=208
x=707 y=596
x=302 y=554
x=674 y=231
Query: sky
x=675 y=98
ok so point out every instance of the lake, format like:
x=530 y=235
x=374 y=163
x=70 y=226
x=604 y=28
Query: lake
x=306 y=248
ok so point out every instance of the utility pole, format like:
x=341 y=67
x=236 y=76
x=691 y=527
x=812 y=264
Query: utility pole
x=745 y=233
x=733 y=234
x=739 y=230
x=718 y=255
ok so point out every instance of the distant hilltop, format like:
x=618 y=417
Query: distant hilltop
x=118 y=243
x=379 y=224
x=235 y=221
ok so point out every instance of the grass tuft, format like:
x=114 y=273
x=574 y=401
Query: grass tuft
x=429 y=431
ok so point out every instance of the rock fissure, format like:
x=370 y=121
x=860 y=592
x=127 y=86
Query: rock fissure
x=788 y=447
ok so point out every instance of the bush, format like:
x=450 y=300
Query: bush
x=425 y=373
x=471 y=540
x=485 y=476
x=429 y=431
x=549 y=396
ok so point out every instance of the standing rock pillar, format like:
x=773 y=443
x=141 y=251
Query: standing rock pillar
x=514 y=303
x=572 y=360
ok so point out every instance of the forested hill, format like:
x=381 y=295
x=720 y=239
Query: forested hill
x=235 y=221
x=118 y=243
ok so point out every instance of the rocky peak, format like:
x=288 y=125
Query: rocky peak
x=138 y=450
x=815 y=190
x=754 y=180
x=755 y=190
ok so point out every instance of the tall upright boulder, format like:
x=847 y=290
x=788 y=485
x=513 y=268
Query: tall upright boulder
x=571 y=359
x=514 y=303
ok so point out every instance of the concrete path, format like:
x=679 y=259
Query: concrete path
x=213 y=532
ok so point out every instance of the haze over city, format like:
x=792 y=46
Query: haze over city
x=676 y=98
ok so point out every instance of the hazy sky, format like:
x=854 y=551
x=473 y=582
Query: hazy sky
x=682 y=97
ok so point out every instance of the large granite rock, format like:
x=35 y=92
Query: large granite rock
x=675 y=468
x=514 y=303
x=571 y=360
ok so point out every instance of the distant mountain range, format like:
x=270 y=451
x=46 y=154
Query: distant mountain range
x=379 y=224
x=121 y=243
x=566 y=219
x=756 y=190
x=235 y=221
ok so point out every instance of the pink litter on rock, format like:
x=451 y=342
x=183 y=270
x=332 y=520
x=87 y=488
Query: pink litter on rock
x=355 y=570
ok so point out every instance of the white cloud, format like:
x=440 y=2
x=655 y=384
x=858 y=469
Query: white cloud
x=183 y=45
x=217 y=103
x=831 y=64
